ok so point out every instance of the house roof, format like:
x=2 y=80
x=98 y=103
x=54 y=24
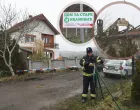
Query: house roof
x=38 y=17
x=112 y=24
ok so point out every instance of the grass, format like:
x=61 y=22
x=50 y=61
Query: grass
x=27 y=75
x=73 y=103
x=18 y=77
x=124 y=101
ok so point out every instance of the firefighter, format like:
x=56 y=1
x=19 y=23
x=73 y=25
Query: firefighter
x=88 y=62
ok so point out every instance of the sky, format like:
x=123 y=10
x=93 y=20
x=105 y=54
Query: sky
x=52 y=9
x=113 y=12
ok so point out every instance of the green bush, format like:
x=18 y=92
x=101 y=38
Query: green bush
x=135 y=92
x=4 y=73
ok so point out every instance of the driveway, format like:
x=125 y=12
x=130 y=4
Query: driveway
x=36 y=93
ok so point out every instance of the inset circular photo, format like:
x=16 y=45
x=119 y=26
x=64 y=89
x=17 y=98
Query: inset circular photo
x=77 y=23
x=117 y=29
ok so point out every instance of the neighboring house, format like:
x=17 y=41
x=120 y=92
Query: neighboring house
x=118 y=27
x=44 y=30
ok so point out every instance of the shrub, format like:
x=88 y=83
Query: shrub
x=16 y=61
x=135 y=92
x=4 y=73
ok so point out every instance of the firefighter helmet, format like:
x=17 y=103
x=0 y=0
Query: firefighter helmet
x=89 y=50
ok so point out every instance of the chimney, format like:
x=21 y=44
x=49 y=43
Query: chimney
x=30 y=16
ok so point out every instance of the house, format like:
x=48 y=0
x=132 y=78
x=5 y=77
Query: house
x=119 y=26
x=40 y=29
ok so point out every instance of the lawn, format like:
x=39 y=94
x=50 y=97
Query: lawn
x=124 y=102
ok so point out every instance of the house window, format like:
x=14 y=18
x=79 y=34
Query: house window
x=46 y=40
x=32 y=39
x=29 y=38
x=51 y=55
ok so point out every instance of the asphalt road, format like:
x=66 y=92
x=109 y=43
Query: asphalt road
x=42 y=92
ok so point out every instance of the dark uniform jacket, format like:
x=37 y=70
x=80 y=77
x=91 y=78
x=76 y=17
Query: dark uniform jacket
x=86 y=60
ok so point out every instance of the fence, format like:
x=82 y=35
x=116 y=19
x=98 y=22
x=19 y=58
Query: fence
x=53 y=63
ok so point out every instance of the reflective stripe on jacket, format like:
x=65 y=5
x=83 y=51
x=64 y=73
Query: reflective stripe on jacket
x=86 y=74
x=86 y=60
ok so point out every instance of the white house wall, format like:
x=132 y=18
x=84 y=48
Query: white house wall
x=41 y=28
x=56 y=52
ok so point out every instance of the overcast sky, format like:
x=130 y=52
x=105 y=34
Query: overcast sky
x=53 y=8
x=131 y=14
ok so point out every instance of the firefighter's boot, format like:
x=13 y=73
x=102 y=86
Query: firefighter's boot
x=92 y=97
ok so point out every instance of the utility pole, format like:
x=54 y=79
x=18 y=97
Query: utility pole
x=76 y=32
x=82 y=29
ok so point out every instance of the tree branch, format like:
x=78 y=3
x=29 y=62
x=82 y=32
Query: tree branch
x=2 y=53
x=17 y=40
x=26 y=29
x=1 y=56
x=5 y=61
x=8 y=49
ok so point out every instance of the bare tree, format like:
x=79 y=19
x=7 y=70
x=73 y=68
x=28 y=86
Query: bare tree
x=38 y=50
x=9 y=30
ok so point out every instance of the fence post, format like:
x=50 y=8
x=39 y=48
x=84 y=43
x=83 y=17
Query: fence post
x=75 y=61
x=49 y=63
x=65 y=62
x=29 y=64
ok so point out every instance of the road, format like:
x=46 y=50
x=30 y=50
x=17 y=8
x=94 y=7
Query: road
x=41 y=92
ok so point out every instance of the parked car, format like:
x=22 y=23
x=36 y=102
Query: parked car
x=100 y=66
x=106 y=60
x=118 y=67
